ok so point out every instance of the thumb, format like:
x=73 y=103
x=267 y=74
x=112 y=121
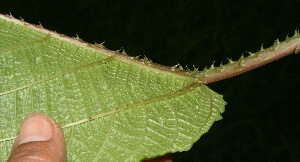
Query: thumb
x=40 y=139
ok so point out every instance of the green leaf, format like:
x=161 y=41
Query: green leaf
x=112 y=107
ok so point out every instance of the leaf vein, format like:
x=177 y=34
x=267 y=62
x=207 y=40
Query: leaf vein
x=40 y=40
x=166 y=96
x=53 y=76
x=106 y=138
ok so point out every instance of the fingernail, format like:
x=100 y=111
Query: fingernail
x=35 y=128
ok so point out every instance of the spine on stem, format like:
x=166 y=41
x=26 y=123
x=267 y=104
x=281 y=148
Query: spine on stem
x=254 y=60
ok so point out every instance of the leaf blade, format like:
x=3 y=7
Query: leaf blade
x=112 y=108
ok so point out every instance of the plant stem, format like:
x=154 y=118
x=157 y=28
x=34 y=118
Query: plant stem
x=254 y=60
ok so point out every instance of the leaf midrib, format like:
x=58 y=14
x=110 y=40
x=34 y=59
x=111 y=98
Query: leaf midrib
x=183 y=74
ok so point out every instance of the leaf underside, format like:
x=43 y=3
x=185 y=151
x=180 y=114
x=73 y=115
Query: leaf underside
x=111 y=108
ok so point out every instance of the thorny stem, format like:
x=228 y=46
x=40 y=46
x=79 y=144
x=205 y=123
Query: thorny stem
x=213 y=74
x=254 y=60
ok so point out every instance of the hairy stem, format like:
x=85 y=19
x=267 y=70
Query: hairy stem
x=254 y=60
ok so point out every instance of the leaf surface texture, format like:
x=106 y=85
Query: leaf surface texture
x=111 y=107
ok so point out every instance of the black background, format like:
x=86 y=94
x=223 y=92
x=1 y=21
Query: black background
x=261 y=121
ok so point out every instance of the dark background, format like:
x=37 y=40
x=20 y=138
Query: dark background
x=261 y=122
